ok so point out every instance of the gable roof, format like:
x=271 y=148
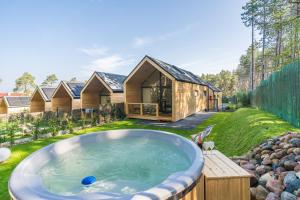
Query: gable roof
x=178 y=73
x=17 y=101
x=212 y=87
x=45 y=91
x=113 y=81
x=48 y=92
x=73 y=88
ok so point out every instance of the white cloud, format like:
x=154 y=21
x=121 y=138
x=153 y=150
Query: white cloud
x=94 y=52
x=104 y=61
x=141 y=41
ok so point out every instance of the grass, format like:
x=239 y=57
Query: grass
x=245 y=128
x=234 y=134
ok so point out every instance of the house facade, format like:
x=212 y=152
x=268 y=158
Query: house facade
x=102 y=88
x=66 y=97
x=14 y=104
x=41 y=99
x=157 y=90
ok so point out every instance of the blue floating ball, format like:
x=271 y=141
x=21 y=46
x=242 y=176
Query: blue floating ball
x=88 y=180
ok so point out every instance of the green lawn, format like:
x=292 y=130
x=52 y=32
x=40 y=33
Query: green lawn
x=234 y=134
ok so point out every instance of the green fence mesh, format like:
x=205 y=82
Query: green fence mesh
x=280 y=94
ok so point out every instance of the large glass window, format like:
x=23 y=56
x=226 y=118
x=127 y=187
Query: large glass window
x=157 y=88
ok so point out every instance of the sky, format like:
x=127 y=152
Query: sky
x=74 y=38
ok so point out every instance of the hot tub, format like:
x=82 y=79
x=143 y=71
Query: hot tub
x=127 y=164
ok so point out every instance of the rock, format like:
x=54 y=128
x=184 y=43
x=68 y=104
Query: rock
x=273 y=156
x=262 y=169
x=280 y=154
x=274 y=186
x=287 y=196
x=5 y=154
x=289 y=178
x=295 y=142
x=274 y=147
x=253 y=193
x=267 y=147
x=261 y=193
x=272 y=196
x=279 y=170
x=242 y=162
x=290 y=165
x=291 y=150
x=297 y=168
x=298 y=174
x=253 y=161
x=287 y=146
x=266 y=152
x=292 y=186
x=267 y=161
x=297 y=193
x=296 y=151
x=257 y=156
x=253 y=178
x=265 y=178
x=263 y=156
x=297 y=158
x=248 y=166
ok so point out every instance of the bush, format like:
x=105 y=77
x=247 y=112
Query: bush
x=53 y=126
x=12 y=127
x=70 y=125
x=243 y=99
x=36 y=128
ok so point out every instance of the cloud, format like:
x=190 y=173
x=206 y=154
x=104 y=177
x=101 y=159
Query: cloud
x=94 y=52
x=142 y=41
x=103 y=60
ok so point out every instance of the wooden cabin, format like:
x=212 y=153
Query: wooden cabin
x=157 y=90
x=41 y=99
x=102 y=88
x=14 y=104
x=66 y=97
x=214 y=98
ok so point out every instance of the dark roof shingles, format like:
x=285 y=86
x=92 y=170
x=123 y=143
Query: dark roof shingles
x=114 y=81
x=178 y=73
x=75 y=88
x=48 y=92
x=18 y=101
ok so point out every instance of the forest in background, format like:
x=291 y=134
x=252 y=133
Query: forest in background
x=275 y=29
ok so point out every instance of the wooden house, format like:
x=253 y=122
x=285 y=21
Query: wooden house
x=102 y=88
x=214 y=98
x=66 y=97
x=157 y=90
x=14 y=104
x=41 y=99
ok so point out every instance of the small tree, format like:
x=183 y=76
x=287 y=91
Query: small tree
x=50 y=80
x=36 y=128
x=12 y=127
x=53 y=126
x=25 y=83
x=70 y=125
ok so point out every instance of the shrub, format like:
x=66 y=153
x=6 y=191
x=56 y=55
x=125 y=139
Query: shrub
x=53 y=126
x=70 y=126
x=12 y=127
x=36 y=128
x=243 y=99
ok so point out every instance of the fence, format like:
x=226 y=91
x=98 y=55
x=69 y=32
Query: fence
x=280 y=94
